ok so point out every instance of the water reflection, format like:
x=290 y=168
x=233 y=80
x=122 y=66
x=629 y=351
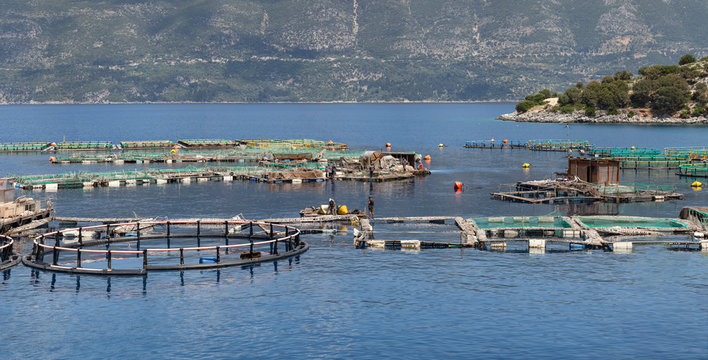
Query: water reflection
x=113 y=285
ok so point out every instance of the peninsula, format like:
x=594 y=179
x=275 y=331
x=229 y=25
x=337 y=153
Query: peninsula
x=660 y=94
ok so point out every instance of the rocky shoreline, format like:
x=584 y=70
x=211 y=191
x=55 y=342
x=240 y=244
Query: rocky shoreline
x=578 y=117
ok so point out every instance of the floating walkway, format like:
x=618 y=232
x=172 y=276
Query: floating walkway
x=610 y=233
x=535 y=233
x=190 y=174
x=535 y=145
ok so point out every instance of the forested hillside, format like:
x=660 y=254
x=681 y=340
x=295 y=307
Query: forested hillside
x=326 y=50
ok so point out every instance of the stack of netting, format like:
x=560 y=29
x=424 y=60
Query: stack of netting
x=635 y=188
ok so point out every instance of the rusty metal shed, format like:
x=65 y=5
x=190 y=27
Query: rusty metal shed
x=596 y=171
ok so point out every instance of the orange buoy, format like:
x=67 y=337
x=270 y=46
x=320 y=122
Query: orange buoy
x=427 y=158
x=52 y=159
x=388 y=144
x=492 y=140
x=458 y=185
x=506 y=141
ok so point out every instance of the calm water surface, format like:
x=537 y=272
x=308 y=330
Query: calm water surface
x=338 y=302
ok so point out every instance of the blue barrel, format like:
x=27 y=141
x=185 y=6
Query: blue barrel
x=576 y=246
x=207 y=259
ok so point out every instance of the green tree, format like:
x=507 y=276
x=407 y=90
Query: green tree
x=525 y=106
x=607 y=79
x=590 y=95
x=573 y=95
x=642 y=91
x=590 y=111
x=623 y=75
x=668 y=100
x=687 y=59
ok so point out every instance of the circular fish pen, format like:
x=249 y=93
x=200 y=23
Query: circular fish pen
x=8 y=258
x=136 y=248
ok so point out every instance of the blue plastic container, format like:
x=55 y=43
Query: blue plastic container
x=207 y=259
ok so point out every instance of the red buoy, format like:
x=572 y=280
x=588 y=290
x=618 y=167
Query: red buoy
x=458 y=185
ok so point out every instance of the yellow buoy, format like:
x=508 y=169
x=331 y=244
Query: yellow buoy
x=441 y=145
x=342 y=210
x=697 y=184
x=526 y=165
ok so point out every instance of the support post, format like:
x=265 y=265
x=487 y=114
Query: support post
x=218 y=256
x=181 y=256
x=81 y=241
x=168 y=229
x=145 y=259
x=108 y=259
x=199 y=227
x=226 y=228
x=78 y=258
x=137 y=224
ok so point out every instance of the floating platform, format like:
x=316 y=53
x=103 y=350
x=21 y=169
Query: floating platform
x=487 y=144
x=559 y=145
x=578 y=191
x=207 y=143
x=24 y=147
x=82 y=145
x=150 y=144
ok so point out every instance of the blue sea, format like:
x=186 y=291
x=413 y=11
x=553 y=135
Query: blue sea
x=336 y=301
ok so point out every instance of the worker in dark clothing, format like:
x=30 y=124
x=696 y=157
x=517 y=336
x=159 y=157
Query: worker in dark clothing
x=371 y=208
x=332 y=205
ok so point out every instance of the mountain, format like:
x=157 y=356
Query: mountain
x=325 y=50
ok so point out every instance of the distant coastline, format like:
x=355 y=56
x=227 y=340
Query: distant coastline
x=493 y=101
x=579 y=117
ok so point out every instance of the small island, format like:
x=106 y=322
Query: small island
x=661 y=94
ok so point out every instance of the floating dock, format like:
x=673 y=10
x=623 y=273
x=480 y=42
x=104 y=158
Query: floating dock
x=578 y=191
x=24 y=147
x=207 y=143
x=150 y=144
